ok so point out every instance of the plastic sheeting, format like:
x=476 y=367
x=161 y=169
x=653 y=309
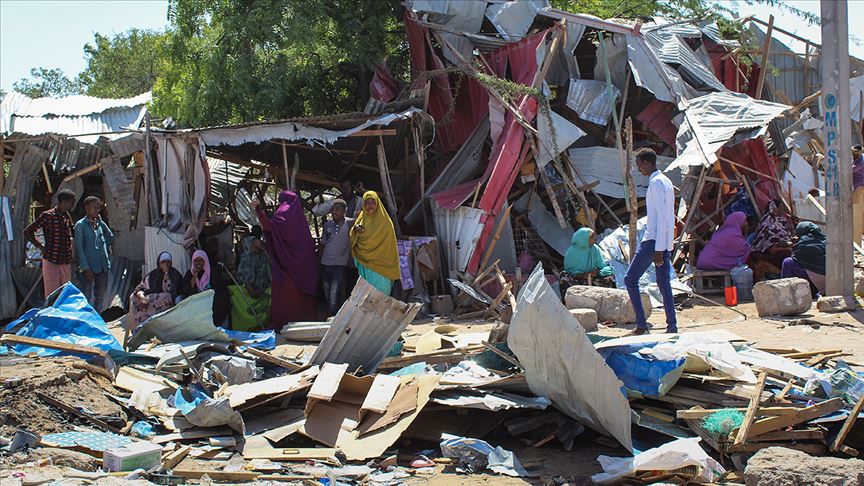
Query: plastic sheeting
x=640 y=371
x=668 y=457
x=69 y=319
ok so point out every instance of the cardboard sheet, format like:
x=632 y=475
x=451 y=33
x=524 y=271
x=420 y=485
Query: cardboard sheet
x=240 y=394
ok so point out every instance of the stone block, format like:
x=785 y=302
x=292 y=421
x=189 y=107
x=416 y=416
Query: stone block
x=783 y=297
x=778 y=466
x=836 y=303
x=610 y=304
x=586 y=317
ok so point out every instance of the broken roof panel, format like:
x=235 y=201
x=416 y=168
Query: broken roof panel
x=513 y=19
x=712 y=120
x=590 y=100
x=672 y=49
x=602 y=164
x=73 y=115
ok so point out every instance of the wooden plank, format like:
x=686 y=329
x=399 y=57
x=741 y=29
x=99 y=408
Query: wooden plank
x=383 y=132
x=763 y=65
x=264 y=356
x=848 y=424
x=809 y=448
x=808 y=413
x=49 y=344
x=699 y=413
x=744 y=430
x=782 y=435
x=172 y=459
x=502 y=354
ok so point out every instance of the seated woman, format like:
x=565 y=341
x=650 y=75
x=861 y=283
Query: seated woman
x=727 y=248
x=808 y=257
x=159 y=291
x=772 y=242
x=250 y=301
x=373 y=244
x=583 y=263
x=202 y=277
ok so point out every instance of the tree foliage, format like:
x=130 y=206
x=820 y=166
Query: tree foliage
x=47 y=83
x=124 y=65
x=246 y=61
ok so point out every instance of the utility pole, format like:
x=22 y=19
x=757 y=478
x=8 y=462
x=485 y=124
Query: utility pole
x=837 y=135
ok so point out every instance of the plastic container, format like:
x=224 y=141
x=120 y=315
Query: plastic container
x=742 y=278
x=731 y=294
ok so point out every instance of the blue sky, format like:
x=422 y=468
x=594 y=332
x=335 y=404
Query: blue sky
x=51 y=33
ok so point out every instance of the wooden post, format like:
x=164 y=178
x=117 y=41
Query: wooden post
x=766 y=49
x=633 y=205
x=806 y=69
x=385 y=184
x=838 y=141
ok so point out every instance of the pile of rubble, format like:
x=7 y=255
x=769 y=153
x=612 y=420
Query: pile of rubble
x=376 y=401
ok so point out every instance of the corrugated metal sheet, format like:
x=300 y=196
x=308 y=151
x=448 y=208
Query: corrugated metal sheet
x=786 y=70
x=590 y=100
x=364 y=329
x=225 y=177
x=125 y=275
x=157 y=240
x=513 y=19
x=459 y=230
x=672 y=50
x=73 y=115
x=603 y=164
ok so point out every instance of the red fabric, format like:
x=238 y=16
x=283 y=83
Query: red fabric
x=731 y=75
x=289 y=304
x=507 y=155
x=383 y=87
x=657 y=116
x=472 y=100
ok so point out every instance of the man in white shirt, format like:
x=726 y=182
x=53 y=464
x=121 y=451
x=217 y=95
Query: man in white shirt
x=656 y=243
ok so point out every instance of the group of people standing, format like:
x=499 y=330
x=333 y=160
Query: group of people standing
x=278 y=267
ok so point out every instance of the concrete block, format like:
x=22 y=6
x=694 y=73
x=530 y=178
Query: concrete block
x=837 y=303
x=610 y=304
x=778 y=466
x=586 y=317
x=783 y=297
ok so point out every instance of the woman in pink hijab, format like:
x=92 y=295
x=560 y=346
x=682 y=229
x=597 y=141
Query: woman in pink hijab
x=292 y=261
x=727 y=248
x=200 y=278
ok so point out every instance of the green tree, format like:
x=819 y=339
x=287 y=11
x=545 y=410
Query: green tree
x=47 y=83
x=244 y=61
x=124 y=65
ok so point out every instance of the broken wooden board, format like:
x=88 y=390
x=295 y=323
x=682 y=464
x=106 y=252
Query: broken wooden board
x=240 y=394
x=807 y=413
x=561 y=363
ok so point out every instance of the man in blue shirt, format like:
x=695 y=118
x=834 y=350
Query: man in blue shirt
x=93 y=240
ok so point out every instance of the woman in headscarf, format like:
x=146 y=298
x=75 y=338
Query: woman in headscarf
x=202 y=277
x=292 y=261
x=727 y=248
x=159 y=291
x=772 y=242
x=808 y=257
x=250 y=298
x=373 y=244
x=583 y=261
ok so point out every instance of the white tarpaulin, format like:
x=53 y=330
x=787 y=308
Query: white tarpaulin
x=562 y=365
x=712 y=120
x=668 y=457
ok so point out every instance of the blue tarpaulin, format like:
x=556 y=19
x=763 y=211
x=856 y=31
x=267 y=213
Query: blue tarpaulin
x=642 y=373
x=69 y=319
x=265 y=340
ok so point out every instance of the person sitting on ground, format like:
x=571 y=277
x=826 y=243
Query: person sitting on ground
x=250 y=300
x=808 y=257
x=93 y=240
x=202 y=277
x=727 y=248
x=57 y=251
x=772 y=242
x=158 y=292
x=373 y=244
x=584 y=264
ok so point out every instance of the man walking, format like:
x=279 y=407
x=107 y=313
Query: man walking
x=656 y=243
x=336 y=255
x=93 y=240
x=56 y=225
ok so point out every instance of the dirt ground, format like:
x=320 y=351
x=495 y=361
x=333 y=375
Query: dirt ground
x=56 y=378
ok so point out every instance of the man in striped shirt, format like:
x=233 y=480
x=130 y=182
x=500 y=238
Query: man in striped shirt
x=56 y=224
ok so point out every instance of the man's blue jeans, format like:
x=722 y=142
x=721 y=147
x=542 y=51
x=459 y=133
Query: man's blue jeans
x=333 y=280
x=638 y=265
